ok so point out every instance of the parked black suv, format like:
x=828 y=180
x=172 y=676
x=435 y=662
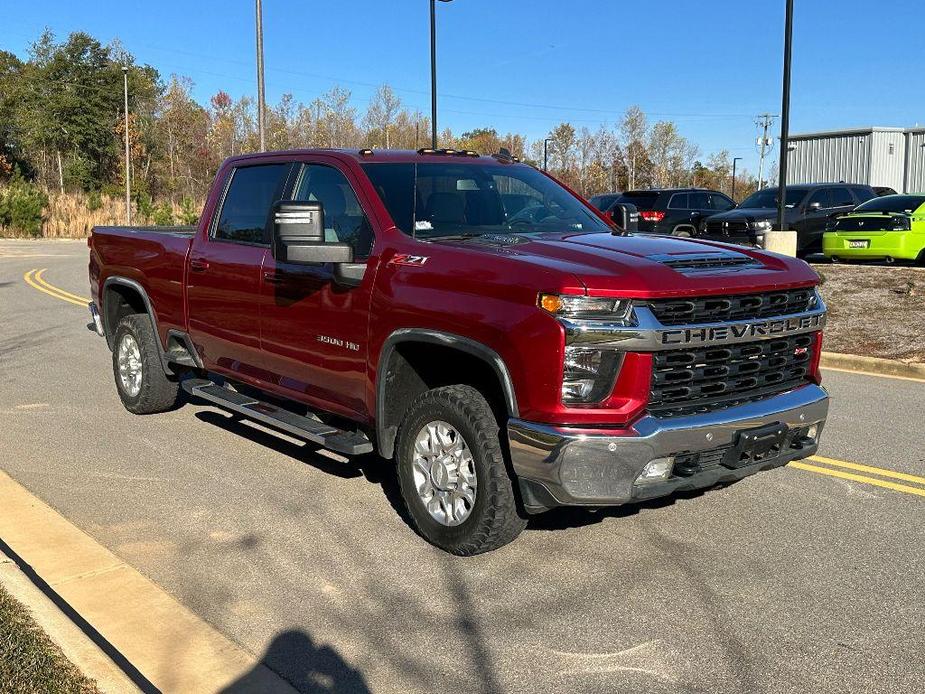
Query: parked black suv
x=676 y=211
x=810 y=207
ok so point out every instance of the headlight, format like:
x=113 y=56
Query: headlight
x=577 y=306
x=763 y=225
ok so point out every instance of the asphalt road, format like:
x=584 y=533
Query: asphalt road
x=792 y=580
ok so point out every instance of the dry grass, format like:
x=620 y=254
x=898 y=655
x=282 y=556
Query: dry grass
x=69 y=215
x=29 y=661
x=876 y=311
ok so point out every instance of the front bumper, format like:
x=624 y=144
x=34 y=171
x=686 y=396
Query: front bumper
x=565 y=466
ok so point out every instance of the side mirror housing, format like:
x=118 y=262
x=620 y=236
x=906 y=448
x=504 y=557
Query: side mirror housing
x=814 y=206
x=298 y=235
x=625 y=216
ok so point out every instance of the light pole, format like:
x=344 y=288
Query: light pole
x=128 y=160
x=734 y=160
x=546 y=152
x=785 y=120
x=433 y=73
x=261 y=97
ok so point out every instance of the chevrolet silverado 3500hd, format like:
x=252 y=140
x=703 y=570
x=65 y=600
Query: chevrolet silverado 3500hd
x=474 y=320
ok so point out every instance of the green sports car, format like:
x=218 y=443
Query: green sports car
x=887 y=228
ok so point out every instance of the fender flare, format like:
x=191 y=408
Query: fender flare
x=149 y=310
x=437 y=337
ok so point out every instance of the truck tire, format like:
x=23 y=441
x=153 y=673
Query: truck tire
x=452 y=474
x=143 y=386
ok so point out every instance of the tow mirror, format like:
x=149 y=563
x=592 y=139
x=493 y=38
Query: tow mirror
x=625 y=216
x=298 y=235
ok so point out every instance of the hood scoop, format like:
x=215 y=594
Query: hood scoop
x=714 y=261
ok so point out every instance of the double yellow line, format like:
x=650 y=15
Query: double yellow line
x=838 y=468
x=35 y=280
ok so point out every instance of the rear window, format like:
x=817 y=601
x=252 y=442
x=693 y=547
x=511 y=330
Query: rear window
x=251 y=193
x=893 y=203
x=642 y=199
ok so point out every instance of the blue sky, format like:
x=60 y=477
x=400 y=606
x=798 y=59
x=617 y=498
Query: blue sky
x=526 y=65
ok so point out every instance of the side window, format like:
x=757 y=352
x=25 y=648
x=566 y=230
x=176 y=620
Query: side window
x=864 y=194
x=720 y=202
x=247 y=203
x=678 y=202
x=822 y=197
x=344 y=220
x=698 y=201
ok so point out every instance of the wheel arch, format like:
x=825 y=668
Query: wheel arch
x=122 y=296
x=413 y=360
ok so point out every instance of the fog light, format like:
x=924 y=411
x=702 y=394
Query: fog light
x=656 y=470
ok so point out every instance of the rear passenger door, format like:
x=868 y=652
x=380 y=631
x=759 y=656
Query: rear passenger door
x=223 y=274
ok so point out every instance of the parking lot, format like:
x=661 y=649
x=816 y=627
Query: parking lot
x=805 y=578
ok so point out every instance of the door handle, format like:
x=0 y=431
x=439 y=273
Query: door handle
x=198 y=265
x=273 y=278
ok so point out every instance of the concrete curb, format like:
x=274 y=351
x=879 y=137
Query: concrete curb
x=156 y=642
x=77 y=647
x=873 y=366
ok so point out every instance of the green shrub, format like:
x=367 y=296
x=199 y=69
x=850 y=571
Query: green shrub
x=163 y=215
x=188 y=212
x=94 y=201
x=145 y=206
x=22 y=205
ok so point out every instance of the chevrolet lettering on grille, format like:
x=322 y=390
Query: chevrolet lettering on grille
x=736 y=332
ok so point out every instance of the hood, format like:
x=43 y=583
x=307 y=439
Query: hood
x=647 y=265
x=750 y=214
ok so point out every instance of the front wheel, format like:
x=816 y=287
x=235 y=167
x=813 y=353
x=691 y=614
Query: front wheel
x=451 y=470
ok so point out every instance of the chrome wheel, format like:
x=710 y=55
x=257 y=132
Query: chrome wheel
x=129 y=361
x=444 y=473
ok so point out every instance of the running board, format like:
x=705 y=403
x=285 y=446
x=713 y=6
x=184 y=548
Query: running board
x=337 y=440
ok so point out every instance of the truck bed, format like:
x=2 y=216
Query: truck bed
x=154 y=257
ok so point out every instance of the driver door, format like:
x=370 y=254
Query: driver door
x=313 y=331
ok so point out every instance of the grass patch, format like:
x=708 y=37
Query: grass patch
x=29 y=661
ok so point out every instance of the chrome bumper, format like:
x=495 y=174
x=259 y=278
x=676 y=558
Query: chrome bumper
x=566 y=466
x=97 y=321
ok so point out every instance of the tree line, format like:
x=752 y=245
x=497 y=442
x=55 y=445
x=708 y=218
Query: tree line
x=62 y=127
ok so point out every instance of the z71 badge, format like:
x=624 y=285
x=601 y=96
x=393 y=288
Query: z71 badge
x=406 y=259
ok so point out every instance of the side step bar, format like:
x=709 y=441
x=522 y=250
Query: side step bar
x=337 y=440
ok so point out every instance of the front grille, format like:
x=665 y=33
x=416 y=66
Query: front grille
x=688 y=381
x=723 y=309
x=731 y=228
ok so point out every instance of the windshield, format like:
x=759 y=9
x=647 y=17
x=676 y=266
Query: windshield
x=438 y=200
x=767 y=199
x=893 y=203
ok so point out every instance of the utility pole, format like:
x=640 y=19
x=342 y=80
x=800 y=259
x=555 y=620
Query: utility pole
x=261 y=96
x=546 y=153
x=764 y=122
x=433 y=73
x=128 y=159
x=785 y=121
x=734 y=160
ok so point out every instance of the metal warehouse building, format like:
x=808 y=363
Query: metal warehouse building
x=893 y=157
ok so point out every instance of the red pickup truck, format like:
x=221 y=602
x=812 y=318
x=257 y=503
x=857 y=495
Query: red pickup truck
x=474 y=320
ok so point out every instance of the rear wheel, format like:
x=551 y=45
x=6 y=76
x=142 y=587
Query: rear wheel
x=451 y=470
x=143 y=386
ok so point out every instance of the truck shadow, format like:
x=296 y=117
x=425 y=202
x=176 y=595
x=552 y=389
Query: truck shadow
x=309 y=668
x=577 y=517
